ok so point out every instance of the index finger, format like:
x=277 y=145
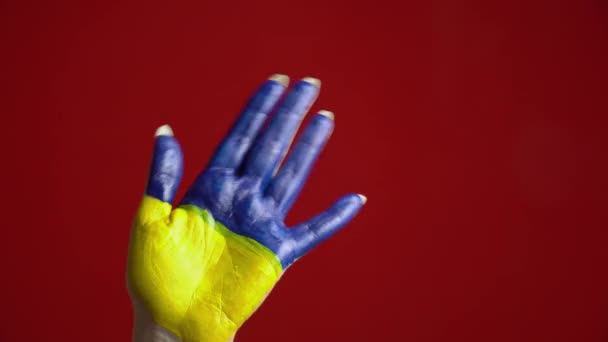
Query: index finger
x=233 y=149
x=273 y=143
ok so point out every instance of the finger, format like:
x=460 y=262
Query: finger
x=287 y=184
x=309 y=234
x=232 y=150
x=270 y=147
x=167 y=166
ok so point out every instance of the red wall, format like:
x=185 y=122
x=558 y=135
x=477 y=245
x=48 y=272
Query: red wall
x=476 y=130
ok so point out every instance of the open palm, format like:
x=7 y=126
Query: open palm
x=202 y=269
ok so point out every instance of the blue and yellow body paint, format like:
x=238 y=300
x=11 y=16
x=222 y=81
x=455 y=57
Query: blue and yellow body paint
x=198 y=279
x=201 y=269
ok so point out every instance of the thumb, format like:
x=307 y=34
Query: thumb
x=167 y=166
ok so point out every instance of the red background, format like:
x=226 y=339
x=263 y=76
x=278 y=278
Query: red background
x=476 y=130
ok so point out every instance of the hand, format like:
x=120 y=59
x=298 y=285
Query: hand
x=201 y=269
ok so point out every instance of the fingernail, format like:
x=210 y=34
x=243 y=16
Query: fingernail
x=363 y=198
x=280 y=78
x=314 y=81
x=326 y=113
x=164 y=130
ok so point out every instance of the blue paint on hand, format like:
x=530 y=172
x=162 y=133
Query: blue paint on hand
x=238 y=186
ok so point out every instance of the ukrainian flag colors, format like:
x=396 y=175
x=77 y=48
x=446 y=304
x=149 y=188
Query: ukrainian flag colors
x=202 y=269
x=197 y=278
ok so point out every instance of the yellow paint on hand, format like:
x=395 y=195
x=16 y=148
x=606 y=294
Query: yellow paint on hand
x=196 y=278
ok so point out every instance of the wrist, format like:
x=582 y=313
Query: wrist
x=146 y=330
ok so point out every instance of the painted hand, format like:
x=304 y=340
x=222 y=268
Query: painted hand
x=202 y=268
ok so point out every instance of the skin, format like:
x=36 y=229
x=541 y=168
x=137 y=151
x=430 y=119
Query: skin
x=243 y=189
